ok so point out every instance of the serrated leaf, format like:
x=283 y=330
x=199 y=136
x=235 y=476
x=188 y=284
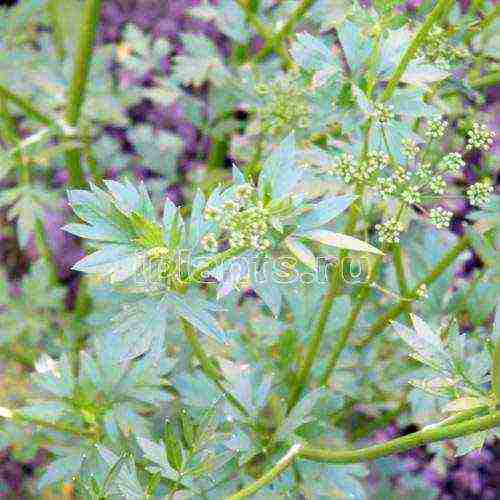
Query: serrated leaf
x=200 y=318
x=426 y=344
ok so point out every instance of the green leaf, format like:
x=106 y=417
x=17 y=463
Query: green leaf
x=61 y=468
x=338 y=240
x=157 y=454
x=357 y=46
x=329 y=13
x=127 y=482
x=300 y=414
x=303 y=253
x=419 y=73
x=201 y=62
x=267 y=289
x=280 y=174
x=311 y=53
x=324 y=211
x=426 y=345
x=228 y=16
x=173 y=446
x=199 y=317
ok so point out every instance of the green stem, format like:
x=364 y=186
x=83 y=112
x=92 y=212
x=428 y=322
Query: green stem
x=402 y=444
x=487 y=80
x=495 y=371
x=433 y=275
x=398 y=445
x=68 y=429
x=78 y=85
x=335 y=286
x=326 y=307
x=57 y=32
x=208 y=367
x=27 y=107
x=294 y=19
x=346 y=331
x=483 y=24
x=441 y=8
x=400 y=274
x=262 y=30
x=200 y=274
x=270 y=475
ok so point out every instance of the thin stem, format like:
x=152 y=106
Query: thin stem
x=78 y=85
x=433 y=275
x=397 y=445
x=346 y=331
x=486 y=80
x=442 y=7
x=208 y=367
x=68 y=429
x=400 y=274
x=326 y=307
x=57 y=32
x=200 y=274
x=482 y=24
x=294 y=19
x=27 y=107
x=262 y=30
x=270 y=475
x=402 y=444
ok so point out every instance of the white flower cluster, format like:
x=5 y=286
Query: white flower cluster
x=411 y=194
x=440 y=218
x=438 y=50
x=245 y=221
x=452 y=163
x=285 y=105
x=389 y=231
x=351 y=171
x=479 y=137
x=436 y=128
x=383 y=112
x=410 y=148
x=479 y=194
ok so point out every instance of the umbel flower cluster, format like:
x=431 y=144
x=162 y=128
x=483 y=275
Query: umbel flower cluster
x=479 y=194
x=416 y=180
x=242 y=218
x=285 y=105
x=439 y=51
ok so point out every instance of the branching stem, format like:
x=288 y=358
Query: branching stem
x=398 y=445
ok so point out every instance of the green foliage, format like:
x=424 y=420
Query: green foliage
x=197 y=359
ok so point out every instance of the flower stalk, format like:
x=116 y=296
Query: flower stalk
x=433 y=275
x=78 y=85
x=441 y=8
